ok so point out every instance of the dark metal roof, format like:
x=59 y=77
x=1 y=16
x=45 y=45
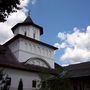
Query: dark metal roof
x=31 y=39
x=7 y=60
x=6 y=57
x=78 y=70
x=27 y=22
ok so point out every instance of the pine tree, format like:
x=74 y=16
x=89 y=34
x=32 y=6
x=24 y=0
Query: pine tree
x=20 y=86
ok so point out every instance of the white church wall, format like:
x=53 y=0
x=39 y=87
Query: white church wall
x=14 y=47
x=28 y=31
x=36 y=48
x=25 y=49
x=24 y=56
x=27 y=78
x=29 y=49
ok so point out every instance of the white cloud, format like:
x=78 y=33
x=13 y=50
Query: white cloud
x=60 y=46
x=62 y=36
x=65 y=65
x=16 y=17
x=76 y=45
x=76 y=54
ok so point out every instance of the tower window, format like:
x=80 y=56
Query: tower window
x=34 y=35
x=25 y=33
x=34 y=83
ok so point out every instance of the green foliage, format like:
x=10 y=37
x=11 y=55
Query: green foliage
x=57 y=84
x=44 y=76
x=49 y=82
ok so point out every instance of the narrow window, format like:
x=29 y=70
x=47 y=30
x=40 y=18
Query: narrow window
x=25 y=33
x=34 y=83
x=34 y=35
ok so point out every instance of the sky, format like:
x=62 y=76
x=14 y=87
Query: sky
x=66 y=25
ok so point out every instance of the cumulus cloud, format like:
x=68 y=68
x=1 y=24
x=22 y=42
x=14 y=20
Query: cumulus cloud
x=16 y=17
x=62 y=35
x=76 y=45
x=60 y=46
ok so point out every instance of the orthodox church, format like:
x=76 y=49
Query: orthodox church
x=24 y=56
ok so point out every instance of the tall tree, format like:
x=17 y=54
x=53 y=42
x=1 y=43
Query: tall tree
x=6 y=7
x=20 y=86
x=5 y=81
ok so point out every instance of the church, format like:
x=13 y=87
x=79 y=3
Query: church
x=24 y=56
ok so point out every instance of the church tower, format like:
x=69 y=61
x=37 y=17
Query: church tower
x=28 y=28
x=27 y=47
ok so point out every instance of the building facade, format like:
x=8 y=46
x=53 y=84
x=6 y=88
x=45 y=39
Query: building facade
x=24 y=56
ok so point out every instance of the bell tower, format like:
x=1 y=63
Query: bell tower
x=27 y=47
x=28 y=28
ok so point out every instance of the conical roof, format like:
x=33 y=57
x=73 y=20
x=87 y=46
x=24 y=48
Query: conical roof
x=28 y=21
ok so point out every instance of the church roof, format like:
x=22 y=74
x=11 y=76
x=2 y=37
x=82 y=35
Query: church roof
x=78 y=70
x=6 y=57
x=28 y=21
x=31 y=39
x=7 y=60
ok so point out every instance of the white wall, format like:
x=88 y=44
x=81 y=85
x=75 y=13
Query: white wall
x=26 y=77
x=30 y=30
x=14 y=47
x=25 y=49
x=35 y=48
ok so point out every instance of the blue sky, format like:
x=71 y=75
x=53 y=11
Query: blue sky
x=66 y=25
x=60 y=16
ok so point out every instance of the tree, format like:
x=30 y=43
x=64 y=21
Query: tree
x=59 y=82
x=20 y=86
x=56 y=83
x=6 y=7
x=5 y=81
